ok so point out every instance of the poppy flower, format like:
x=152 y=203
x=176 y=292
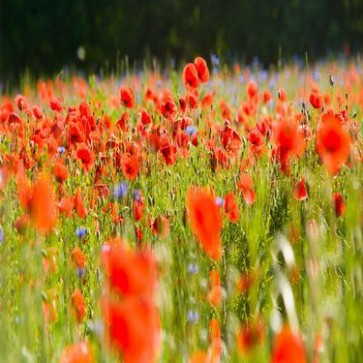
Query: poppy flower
x=215 y=291
x=169 y=154
x=79 y=205
x=245 y=185
x=300 y=192
x=250 y=335
x=205 y=220
x=43 y=208
x=130 y=166
x=130 y=272
x=316 y=100
x=289 y=141
x=78 y=258
x=60 y=171
x=79 y=305
x=339 y=206
x=333 y=142
x=127 y=97
x=231 y=207
x=202 y=69
x=161 y=226
x=190 y=76
x=288 y=347
x=133 y=326
x=65 y=206
x=77 y=353
x=86 y=156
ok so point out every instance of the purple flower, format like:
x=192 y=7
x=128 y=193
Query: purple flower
x=193 y=316
x=136 y=195
x=120 y=191
x=220 y=201
x=192 y=268
x=1 y=234
x=190 y=130
x=81 y=232
x=61 y=150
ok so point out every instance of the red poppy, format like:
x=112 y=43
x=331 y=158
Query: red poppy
x=65 y=206
x=339 y=206
x=332 y=142
x=169 y=154
x=130 y=272
x=133 y=326
x=202 y=69
x=79 y=205
x=205 y=220
x=252 y=89
x=43 y=207
x=130 y=166
x=289 y=141
x=231 y=207
x=78 y=258
x=86 y=156
x=77 y=353
x=288 y=347
x=127 y=97
x=250 y=335
x=215 y=291
x=245 y=185
x=316 y=100
x=60 y=171
x=190 y=76
x=300 y=192
x=79 y=305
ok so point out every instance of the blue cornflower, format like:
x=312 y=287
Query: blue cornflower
x=193 y=316
x=190 y=130
x=192 y=268
x=120 y=190
x=81 y=232
x=136 y=195
x=61 y=150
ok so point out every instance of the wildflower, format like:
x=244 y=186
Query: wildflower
x=79 y=305
x=77 y=353
x=130 y=272
x=202 y=69
x=300 y=192
x=205 y=219
x=190 y=76
x=1 y=234
x=133 y=326
x=192 y=316
x=127 y=97
x=332 y=142
x=120 y=190
x=81 y=232
x=339 y=206
x=288 y=347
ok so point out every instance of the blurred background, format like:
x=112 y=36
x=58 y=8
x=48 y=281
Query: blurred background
x=44 y=36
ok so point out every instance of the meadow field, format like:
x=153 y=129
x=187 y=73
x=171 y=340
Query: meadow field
x=202 y=215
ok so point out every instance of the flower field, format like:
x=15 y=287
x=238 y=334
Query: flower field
x=204 y=215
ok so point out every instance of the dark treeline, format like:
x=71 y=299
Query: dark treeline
x=44 y=36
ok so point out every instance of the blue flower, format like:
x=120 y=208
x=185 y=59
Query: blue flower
x=81 y=232
x=136 y=195
x=120 y=191
x=193 y=316
x=220 y=202
x=192 y=268
x=61 y=150
x=190 y=130
x=1 y=234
